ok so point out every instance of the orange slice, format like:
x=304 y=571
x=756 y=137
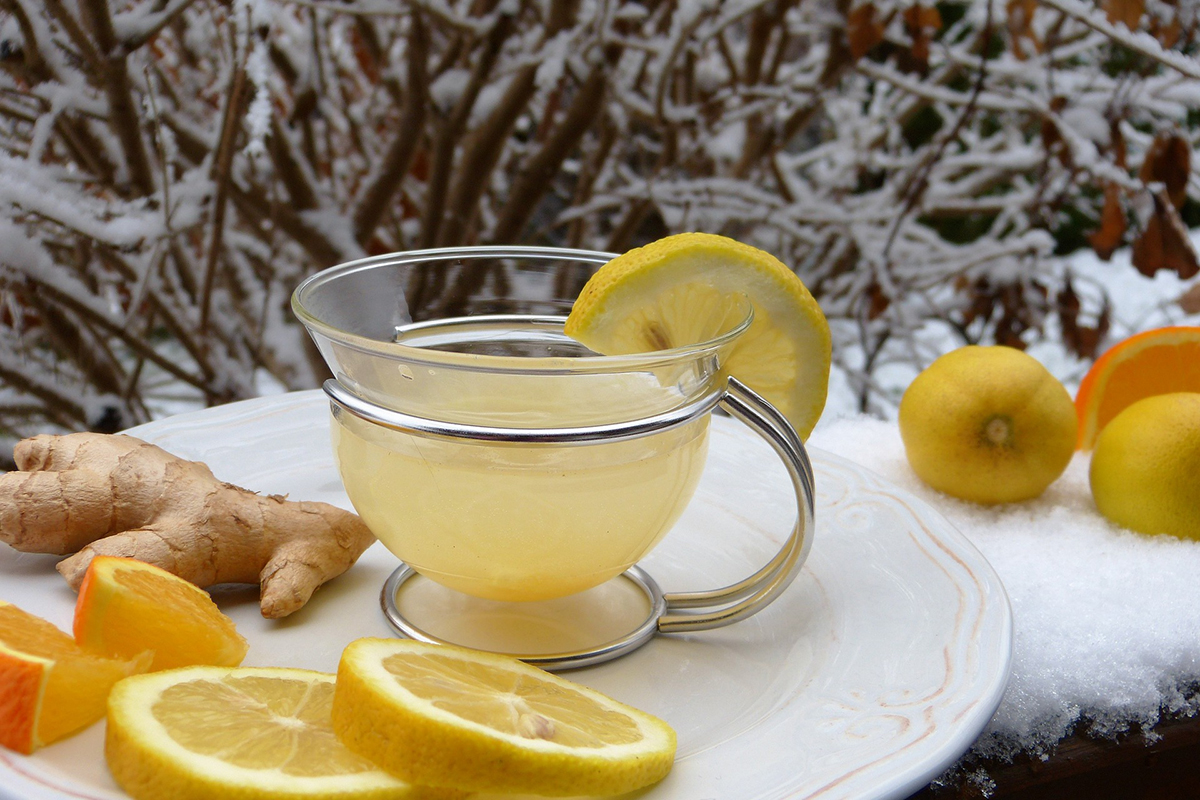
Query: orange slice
x=50 y=687
x=1160 y=361
x=127 y=607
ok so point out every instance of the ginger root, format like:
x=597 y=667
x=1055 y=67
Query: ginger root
x=101 y=494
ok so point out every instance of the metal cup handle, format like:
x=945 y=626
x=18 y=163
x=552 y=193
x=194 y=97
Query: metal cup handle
x=695 y=611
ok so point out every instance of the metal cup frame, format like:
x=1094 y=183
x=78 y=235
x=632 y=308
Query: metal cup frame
x=670 y=612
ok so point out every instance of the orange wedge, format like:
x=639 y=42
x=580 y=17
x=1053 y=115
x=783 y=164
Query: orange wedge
x=1160 y=361
x=50 y=687
x=127 y=607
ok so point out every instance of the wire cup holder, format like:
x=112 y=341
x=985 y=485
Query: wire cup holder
x=670 y=612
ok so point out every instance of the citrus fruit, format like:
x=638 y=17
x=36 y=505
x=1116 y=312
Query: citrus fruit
x=127 y=606
x=673 y=292
x=1145 y=470
x=447 y=716
x=247 y=733
x=987 y=424
x=1159 y=361
x=50 y=687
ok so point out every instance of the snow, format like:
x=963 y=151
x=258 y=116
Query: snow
x=448 y=87
x=1106 y=622
x=258 y=115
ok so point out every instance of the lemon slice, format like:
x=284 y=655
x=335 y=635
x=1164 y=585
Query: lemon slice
x=446 y=716
x=670 y=294
x=247 y=733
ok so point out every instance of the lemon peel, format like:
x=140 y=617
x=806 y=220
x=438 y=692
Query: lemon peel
x=987 y=424
x=1145 y=470
x=675 y=292
x=446 y=716
x=245 y=733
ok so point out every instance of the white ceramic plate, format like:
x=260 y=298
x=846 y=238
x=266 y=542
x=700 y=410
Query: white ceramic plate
x=870 y=675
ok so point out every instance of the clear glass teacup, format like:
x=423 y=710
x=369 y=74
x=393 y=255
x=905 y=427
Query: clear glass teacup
x=498 y=457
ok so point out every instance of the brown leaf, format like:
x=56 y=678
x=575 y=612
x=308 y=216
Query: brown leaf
x=1128 y=12
x=363 y=55
x=1020 y=27
x=1008 y=331
x=863 y=30
x=1083 y=340
x=1169 y=33
x=1052 y=139
x=877 y=301
x=1165 y=243
x=1168 y=161
x=1189 y=301
x=983 y=302
x=1113 y=223
x=921 y=22
x=1117 y=140
x=1068 y=313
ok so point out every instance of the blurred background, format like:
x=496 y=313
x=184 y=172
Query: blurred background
x=1012 y=171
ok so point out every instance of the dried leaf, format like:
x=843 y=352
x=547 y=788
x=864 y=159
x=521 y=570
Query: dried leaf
x=1168 y=161
x=1117 y=142
x=363 y=56
x=921 y=22
x=1052 y=139
x=1008 y=331
x=1127 y=12
x=877 y=301
x=1083 y=340
x=1189 y=301
x=983 y=303
x=1068 y=313
x=1169 y=33
x=1020 y=27
x=1113 y=223
x=863 y=30
x=1165 y=243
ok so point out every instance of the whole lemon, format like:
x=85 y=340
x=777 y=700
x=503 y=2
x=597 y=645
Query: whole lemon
x=988 y=424
x=1145 y=471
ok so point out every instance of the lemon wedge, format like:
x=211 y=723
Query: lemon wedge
x=672 y=292
x=246 y=733
x=447 y=716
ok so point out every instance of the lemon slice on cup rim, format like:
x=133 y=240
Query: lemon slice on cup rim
x=671 y=293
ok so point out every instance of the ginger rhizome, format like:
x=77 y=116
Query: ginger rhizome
x=99 y=494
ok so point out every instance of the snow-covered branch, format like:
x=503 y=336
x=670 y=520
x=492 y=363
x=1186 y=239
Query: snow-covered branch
x=170 y=169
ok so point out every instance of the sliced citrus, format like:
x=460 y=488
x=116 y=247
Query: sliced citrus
x=1160 y=361
x=446 y=716
x=668 y=294
x=127 y=606
x=50 y=687
x=247 y=733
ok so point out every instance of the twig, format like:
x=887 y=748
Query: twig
x=114 y=76
x=449 y=131
x=918 y=183
x=535 y=176
x=398 y=159
x=224 y=160
x=1144 y=44
x=164 y=18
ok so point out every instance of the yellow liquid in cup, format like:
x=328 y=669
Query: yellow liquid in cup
x=516 y=521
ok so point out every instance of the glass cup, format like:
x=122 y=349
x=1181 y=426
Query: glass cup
x=498 y=457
